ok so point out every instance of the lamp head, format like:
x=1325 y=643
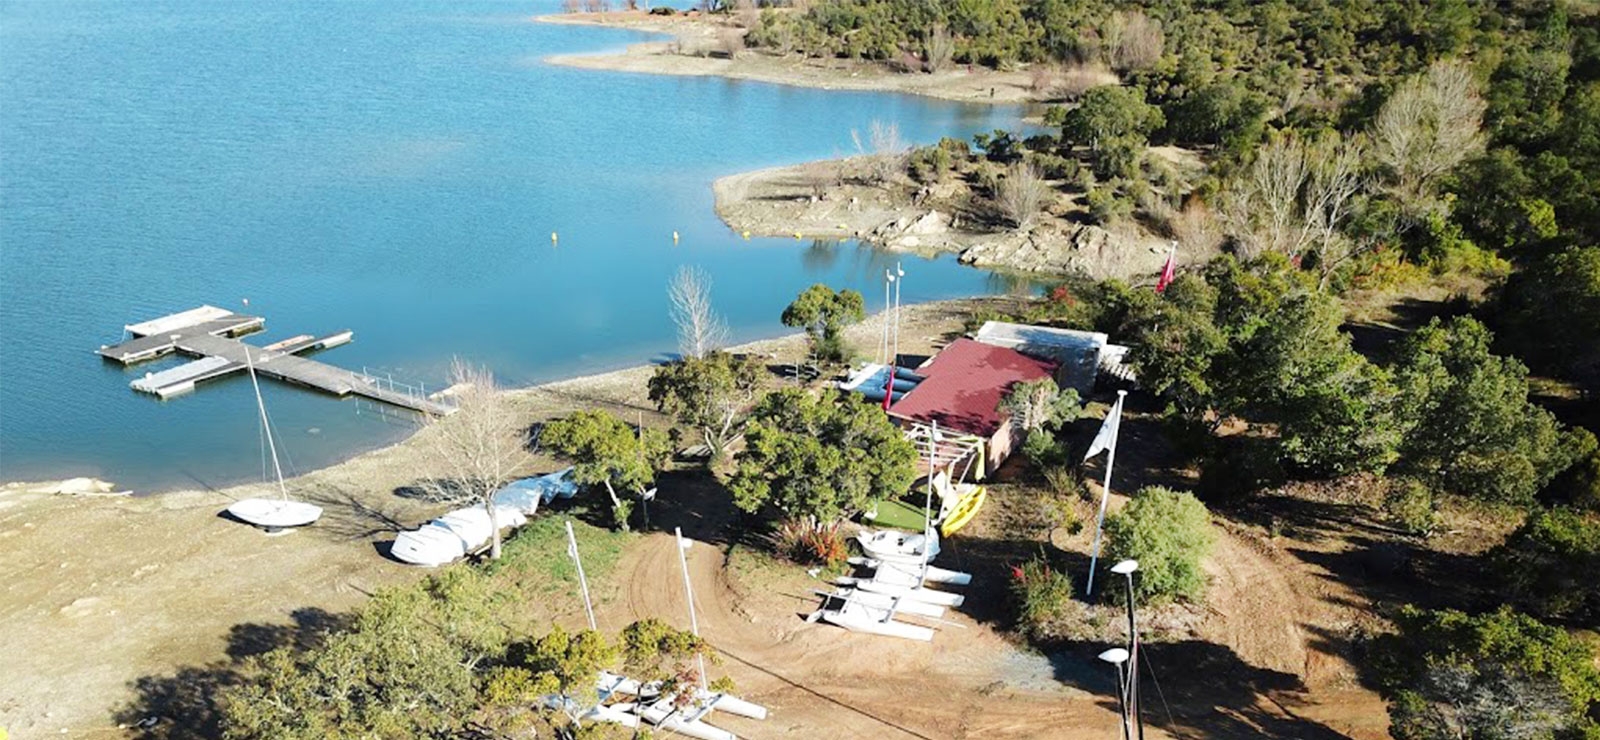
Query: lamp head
x=1115 y=655
x=1125 y=567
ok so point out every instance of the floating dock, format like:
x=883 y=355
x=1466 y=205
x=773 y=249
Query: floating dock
x=211 y=335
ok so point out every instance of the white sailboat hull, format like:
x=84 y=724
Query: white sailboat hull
x=272 y=513
x=915 y=593
x=661 y=715
x=885 y=601
x=932 y=574
x=891 y=545
x=857 y=618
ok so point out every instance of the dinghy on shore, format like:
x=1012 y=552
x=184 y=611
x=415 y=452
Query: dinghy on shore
x=928 y=573
x=895 y=546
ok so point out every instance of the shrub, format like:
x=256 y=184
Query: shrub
x=1498 y=675
x=806 y=541
x=929 y=163
x=1241 y=468
x=1022 y=195
x=1169 y=533
x=1043 y=596
x=1106 y=206
x=1408 y=504
x=1551 y=563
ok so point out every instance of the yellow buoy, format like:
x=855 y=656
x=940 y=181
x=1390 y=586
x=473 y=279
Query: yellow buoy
x=674 y=237
x=797 y=235
x=747 y=236
x=553 y=237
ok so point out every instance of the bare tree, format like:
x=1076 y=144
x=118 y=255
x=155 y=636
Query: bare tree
x=1429 y=125
x=1197 y=230
x=887 y=150
x=700 y=330
x=746 y=13
x=1295 y=196
x=939 y=49
x=1133 y=41
x=1022 y=194
x=476 y=450
x=730 y=41
x=571 y=6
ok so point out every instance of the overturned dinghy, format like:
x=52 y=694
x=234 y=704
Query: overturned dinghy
x=452 y=536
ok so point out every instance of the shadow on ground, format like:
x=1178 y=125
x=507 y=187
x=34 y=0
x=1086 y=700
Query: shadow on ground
x=184 y=705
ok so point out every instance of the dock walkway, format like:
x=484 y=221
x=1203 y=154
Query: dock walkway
x=208 y=335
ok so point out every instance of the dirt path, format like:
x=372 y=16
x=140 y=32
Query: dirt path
x=819 y=680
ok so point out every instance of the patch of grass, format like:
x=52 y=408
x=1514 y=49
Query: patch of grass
x=536 y=559
x=900 y=515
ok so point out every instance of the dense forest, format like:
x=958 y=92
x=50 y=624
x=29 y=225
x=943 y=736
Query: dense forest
x=1345 y=146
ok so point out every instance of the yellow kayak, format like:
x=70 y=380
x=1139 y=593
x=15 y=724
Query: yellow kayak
x=965 y=510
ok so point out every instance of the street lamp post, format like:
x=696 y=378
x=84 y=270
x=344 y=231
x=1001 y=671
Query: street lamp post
x=1126 y=569
x=1116 y=657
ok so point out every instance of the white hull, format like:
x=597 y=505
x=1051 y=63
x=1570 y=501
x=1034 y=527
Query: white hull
x=272 y=513
x=885 y=601
x=915 y=593
x=429 y=545
x=932 y=574
x=858 y=618
x=891 y=545
x=661 y=714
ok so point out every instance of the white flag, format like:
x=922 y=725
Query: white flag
x=1108 y=431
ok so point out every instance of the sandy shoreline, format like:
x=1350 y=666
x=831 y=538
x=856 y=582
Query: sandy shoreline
x=155 y=583
x=977 y=85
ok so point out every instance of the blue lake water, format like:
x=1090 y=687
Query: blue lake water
x=395 y=168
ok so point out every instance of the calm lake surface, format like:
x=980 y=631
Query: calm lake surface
x=389 y=167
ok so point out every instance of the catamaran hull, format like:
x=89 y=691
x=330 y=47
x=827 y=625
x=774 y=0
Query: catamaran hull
x=869 y=625
x=885 y=601
x=932 y=574
x=927 y=595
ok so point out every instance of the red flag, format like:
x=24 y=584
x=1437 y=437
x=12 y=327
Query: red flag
x=1166 y=272
x=888 y=388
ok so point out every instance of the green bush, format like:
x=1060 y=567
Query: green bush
x=1408 y=504
x=1043 y=596
x=1552 y=564
x=1169 y=533
x=1450 y=675
x=1106 y=206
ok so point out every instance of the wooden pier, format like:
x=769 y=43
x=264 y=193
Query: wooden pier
x=210 y=334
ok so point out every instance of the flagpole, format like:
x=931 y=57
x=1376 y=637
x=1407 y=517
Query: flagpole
x=583 y=582
x=688 y=590
x=1105 y=489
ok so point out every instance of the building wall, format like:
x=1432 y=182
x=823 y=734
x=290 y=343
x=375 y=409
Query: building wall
x=999 y=448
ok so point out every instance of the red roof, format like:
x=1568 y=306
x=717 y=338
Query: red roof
x=964 y=384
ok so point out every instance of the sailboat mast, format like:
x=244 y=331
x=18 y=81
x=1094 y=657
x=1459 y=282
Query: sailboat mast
x=261 y=407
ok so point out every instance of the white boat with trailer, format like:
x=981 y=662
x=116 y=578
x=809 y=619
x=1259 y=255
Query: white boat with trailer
x=274 y=515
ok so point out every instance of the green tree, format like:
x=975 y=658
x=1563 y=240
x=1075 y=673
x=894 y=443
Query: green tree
x=608 y=451
x=1169 y=533
x=1471 y=428
x=1037 y=404
x=825 y=456
x=1550 y=564
x=1550 y=313
x=710 y=394
x=1448 y=675
x=1115 y=124
x=824 y=314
